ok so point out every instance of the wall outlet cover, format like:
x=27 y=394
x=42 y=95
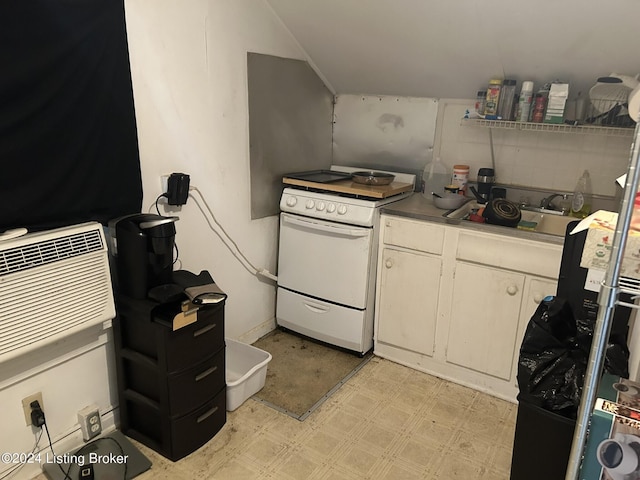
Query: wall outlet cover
x=90 y=423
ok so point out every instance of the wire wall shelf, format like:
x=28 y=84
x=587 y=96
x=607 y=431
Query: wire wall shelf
x=550 y=127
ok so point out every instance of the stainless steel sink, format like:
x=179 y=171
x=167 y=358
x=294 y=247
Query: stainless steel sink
x=536 y=221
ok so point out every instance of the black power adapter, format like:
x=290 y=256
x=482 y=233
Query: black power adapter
x=177 y=189
x=37 y=414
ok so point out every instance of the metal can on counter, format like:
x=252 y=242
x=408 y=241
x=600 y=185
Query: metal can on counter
x=460 y=177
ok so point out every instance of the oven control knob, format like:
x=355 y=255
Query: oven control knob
x=320 y=206
x=342 y=209
x=310 y=204
x=291 y=201
x=331 y=208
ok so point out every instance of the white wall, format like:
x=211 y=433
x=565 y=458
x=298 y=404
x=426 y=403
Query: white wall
x=188 y=62
x=71 y=374
x=546 y=160
x=189 y=70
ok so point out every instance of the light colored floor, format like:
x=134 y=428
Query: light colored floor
x=386 y=422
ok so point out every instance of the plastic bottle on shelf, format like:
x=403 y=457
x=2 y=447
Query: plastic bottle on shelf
x=526 y=99
x=436 y=176
x=481 y=98
x=539 y=107
x=493 y=97
x=507 y=94
x=581 y=202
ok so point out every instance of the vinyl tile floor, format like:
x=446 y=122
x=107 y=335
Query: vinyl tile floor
x=387 y=422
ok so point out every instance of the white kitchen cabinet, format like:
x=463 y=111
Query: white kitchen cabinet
x=409 y=286
x=485 y=312
x=455 y=302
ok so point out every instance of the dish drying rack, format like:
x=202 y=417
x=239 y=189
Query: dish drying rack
x=612 y=285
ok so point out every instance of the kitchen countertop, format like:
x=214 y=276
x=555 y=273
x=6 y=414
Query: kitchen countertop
x=417 y=207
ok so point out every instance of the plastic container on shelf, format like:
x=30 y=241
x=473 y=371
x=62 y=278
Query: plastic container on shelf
x=526 y=99
x=436 y=176
x=481 y=99
x=493 y=97
x=581 y=202
x=507 y=94
x=539 y=107
x=460 y=178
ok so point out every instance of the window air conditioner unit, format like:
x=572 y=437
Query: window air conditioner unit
x=52 y=284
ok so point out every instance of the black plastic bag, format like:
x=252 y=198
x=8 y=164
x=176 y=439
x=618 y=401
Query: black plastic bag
x=554 y=355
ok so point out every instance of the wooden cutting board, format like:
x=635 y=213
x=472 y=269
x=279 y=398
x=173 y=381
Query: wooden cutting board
x=353 y=188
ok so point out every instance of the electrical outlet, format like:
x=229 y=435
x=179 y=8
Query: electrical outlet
x=90 y=423
x=164 y=183
x=26 y=405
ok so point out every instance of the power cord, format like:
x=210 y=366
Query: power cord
x=227 y=238
x=38 y=419
x=175 y=245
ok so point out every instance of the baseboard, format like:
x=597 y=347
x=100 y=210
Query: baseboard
x=258 y=332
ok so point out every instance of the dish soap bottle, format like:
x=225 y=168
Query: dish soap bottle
x=581 y=202
x=436 y=176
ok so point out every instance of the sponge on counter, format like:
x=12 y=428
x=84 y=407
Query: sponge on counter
x=524 y=225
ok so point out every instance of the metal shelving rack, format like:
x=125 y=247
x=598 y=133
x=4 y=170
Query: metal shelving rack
x=550 y=127
x=612 y=285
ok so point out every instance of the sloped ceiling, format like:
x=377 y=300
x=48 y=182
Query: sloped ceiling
x=450 y=49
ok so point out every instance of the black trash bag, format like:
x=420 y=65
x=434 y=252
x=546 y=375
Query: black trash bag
x=554 y=355
x=552 y=363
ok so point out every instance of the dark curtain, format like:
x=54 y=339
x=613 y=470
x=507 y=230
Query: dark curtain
x=68 y=139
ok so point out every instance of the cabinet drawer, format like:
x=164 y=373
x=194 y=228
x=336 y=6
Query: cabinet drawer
x=175 y=437
x=179 y=392
x=189 y=345
x=496 y=251
x=194 y=430
x=194 y=386
x=422 y=236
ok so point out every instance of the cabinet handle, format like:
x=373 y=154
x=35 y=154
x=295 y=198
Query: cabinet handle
x=512 y=290
x=206 y=373
x=538 y=297
x=388 y=263
x=204 y=330
x=206 y=415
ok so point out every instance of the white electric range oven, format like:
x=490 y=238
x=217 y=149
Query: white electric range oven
x=327 y=257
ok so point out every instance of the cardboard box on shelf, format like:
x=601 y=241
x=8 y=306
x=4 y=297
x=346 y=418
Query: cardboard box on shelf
x=558 y=95
x=613 y=442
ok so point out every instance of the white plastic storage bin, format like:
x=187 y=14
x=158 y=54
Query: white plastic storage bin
x=246 y=372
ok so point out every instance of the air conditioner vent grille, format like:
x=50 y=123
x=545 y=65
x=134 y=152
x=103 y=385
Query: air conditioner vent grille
x=53 y=284
x=34 y=255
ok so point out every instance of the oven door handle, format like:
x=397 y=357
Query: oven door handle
x=338 y=229
x=316 y=308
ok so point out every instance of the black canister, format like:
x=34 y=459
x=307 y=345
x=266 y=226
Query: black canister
x=486 y=179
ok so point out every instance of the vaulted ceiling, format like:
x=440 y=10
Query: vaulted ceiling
x=450 y=49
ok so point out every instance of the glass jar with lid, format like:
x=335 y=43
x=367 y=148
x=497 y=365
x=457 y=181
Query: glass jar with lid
x=493 y=97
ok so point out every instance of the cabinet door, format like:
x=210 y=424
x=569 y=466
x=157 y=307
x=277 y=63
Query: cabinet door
x=408 y=303
x=485 y=314
x=535 y=291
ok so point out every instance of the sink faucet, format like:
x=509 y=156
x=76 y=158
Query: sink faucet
x=547 y=202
